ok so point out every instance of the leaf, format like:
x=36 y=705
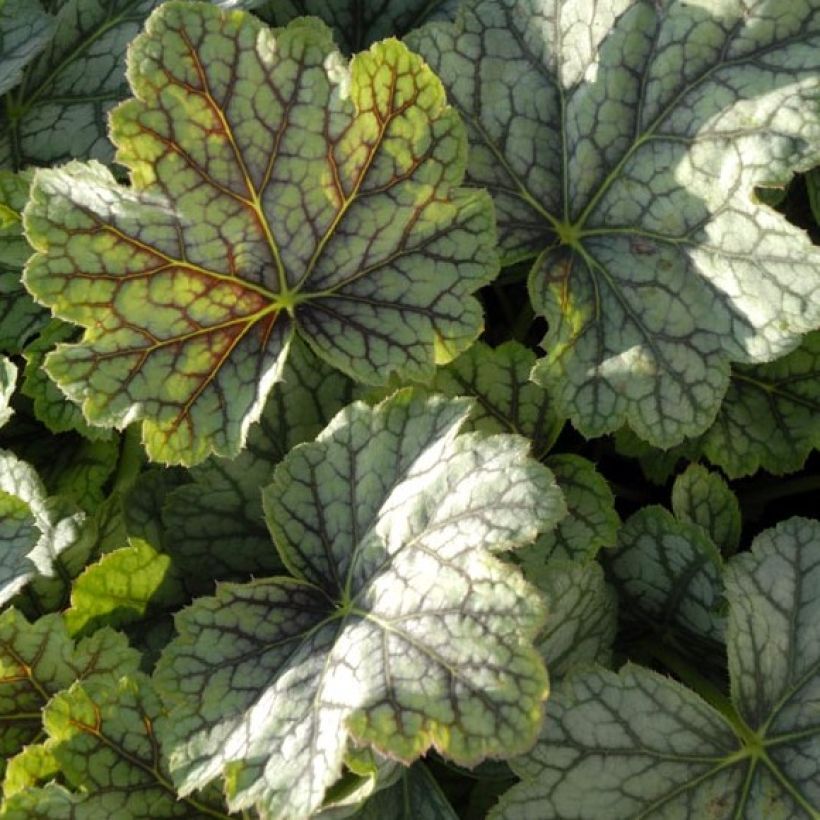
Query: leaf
x=398 y=629
x=142 y=505
x=8 y=381
x=622 y=143
x=20 y=318
x=46 y=536
x=59 y=112
x=582 y=615
x=37 y=660
x=508 y=401
x=703 y=498
x=591 y=522
x=215 y=524
x=25 y=30
x=122 y=587
x=51 y=407
x=636 y=744
x=100 y=734
x=194 y=279
x=670 y=572
x=356 y=23
x=813 y=192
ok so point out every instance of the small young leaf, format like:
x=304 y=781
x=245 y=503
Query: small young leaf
x=399 y=629
x=215 y=526
x=636 y=744
x=590 y=524
x=8 y=381
x=59 y=112
x=292 y=192
x=25 y=30
x=703 y=498
x=123 y=587
x=670 y=571
x=622 y=143
x=101 y=736
x=37 y=660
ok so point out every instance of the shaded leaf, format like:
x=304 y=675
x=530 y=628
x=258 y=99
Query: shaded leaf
x=670 y=573
x=622 y=143
x=215 y=526
x=25 y=30
x=59 y=111
x=399 y=628
x=636 y=744
x=591 y=521
x=703 y=498
x=194 y=279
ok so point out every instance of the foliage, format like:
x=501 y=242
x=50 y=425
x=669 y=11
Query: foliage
x=315 y=321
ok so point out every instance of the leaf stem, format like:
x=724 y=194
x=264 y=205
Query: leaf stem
x=131 y=460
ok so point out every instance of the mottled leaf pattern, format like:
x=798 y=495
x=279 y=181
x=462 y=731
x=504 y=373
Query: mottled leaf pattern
x=670 y=572
x=37 y=660
x=25 y=30
x=215 y=524
x=622 y=143
x=288 y=191
x=591 y=522
x=637 y=744
x=399 y=628
x=702 y=497
x=101 y=736
x=59 y=111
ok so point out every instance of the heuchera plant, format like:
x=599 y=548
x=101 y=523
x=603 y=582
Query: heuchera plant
x=395 y=396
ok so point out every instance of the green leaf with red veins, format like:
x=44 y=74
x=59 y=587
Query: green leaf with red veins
x=274 y=189
x=399 y=630
x=623 y=142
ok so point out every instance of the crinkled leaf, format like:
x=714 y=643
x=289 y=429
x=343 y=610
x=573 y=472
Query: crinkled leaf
x=507 y=401
x=8 y=381
x=20 y=317
x=702 y=497
x=637 y=744
x=25 y=30
x=59 y=111
x=289 y=191
x=37 y=660
x=591 y=521
x=356 y=23
x=670 y=574
x=399 y=629
x=622 y=143
x=582 y=615
x=770 y=419
x=122 y=587
x=101 y=736
x=51 y=407
x=215 y=524
x=48 y=537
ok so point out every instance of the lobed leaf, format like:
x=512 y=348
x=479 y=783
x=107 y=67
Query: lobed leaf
x=622 y=143
x=398 y=629
x=286 y=192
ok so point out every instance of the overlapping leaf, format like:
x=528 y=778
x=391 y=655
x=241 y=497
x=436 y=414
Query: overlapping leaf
x=288 y=191
x=101 y=741
x=398 y=628
x=622 y=143
x=58 y=112
x=37 y=660
x=25 y=30
x=215 y=524
x=20 y=318
x=637 y=744
x=42 y=538
x=8 y=381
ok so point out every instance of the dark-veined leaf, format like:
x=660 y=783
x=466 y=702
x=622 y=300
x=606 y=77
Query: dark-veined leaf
x=398 y=629
x=622 y=142
x=25 y=30
x=638 y=745
x=288 y=192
